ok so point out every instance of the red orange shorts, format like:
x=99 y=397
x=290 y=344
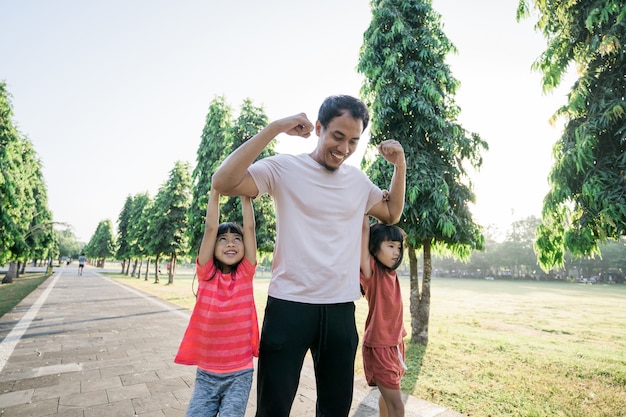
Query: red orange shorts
x=382 y=366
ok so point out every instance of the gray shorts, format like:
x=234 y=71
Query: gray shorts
x=226 y=394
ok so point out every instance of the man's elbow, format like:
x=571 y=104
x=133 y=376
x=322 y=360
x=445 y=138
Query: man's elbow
x=395 y=215
x=391 y=219
x=220 y=184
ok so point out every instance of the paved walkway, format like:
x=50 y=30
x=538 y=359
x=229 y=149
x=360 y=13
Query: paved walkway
x=88 y=346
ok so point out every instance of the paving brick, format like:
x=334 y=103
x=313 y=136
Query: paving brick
x=16 y=397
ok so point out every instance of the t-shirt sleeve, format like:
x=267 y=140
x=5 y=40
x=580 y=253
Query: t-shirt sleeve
x=246 y=268
x=205 y=271
x=374 y=197
x=262 y=174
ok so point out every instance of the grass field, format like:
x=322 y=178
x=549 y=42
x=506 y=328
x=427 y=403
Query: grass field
x=500 y=348
x=11 y=294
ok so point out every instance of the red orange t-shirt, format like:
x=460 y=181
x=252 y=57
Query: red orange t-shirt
x=384 y=326
x=223 y=332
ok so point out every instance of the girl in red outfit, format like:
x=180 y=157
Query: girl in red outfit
x=223 y=334
x=382 y=249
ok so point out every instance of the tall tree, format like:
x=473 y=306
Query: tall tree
x=410 y=90
x=168 y=222
x=123 y=230
x=101 y=246
x=215 y=144
x=250 y=121
x=8 y=200
x=586 y=203
x=41 y=240
x=25 y=221
x=139 y=231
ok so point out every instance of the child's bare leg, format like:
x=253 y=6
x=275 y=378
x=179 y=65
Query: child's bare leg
x=390 y=402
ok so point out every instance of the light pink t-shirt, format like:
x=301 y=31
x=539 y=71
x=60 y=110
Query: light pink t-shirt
x=319 y=214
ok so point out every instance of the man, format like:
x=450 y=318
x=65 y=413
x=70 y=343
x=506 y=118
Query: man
x=81 y=263
x=320 y=203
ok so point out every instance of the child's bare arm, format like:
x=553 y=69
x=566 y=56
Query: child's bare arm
x=207 y=246
x=249 y=230
x=366 y=268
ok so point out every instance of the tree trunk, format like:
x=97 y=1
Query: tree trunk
x=170 y=278
x=139 y=269
x=156 y=269
x=128 y=266
x=11 y=273
x=134 y=268
x=414 y=296
x=420 y=334
x=21 y=268
x=147 y=269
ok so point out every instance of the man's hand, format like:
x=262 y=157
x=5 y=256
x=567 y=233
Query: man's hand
x=392 y=151
x=297 y=125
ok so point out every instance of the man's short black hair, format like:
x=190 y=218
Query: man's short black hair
x=335 y=106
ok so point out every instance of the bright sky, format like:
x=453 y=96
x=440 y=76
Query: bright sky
x=112 y=93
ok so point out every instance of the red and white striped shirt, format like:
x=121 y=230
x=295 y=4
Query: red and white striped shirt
x=223 y=332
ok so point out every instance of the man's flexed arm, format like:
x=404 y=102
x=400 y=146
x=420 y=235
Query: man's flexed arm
x=389 y=210
x=232 y=177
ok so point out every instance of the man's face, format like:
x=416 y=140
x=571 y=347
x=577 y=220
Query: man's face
x=338 y=141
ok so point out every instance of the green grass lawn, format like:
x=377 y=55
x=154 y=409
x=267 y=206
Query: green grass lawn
x=11 y=294
x=500 y=348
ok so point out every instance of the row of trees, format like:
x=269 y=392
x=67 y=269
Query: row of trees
x=515 y=258
x=26 y=226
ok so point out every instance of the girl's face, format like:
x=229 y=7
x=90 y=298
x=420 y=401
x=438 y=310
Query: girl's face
x=388 y=253
x=229 y=249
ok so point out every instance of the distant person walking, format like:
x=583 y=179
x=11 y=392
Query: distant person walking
x=81 y=263
x=223 y=333
x=382 y=249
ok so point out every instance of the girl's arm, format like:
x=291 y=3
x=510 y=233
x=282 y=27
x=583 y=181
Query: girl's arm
x=249 y=231
x=366 y=268
x=207 y=246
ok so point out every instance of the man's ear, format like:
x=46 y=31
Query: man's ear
x=318 y=128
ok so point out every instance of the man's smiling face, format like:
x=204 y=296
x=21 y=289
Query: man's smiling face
x=337 y=141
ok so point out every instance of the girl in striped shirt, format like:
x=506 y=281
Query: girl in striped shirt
x=223 y=334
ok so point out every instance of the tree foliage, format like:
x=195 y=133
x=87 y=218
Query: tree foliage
x=138 y=229
x=168 y=219
x=138 y=224
x=410 y=90
x=101 y=246
x=26 y=226
x=586 y=203
x=68 y=244
x=123 y=230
